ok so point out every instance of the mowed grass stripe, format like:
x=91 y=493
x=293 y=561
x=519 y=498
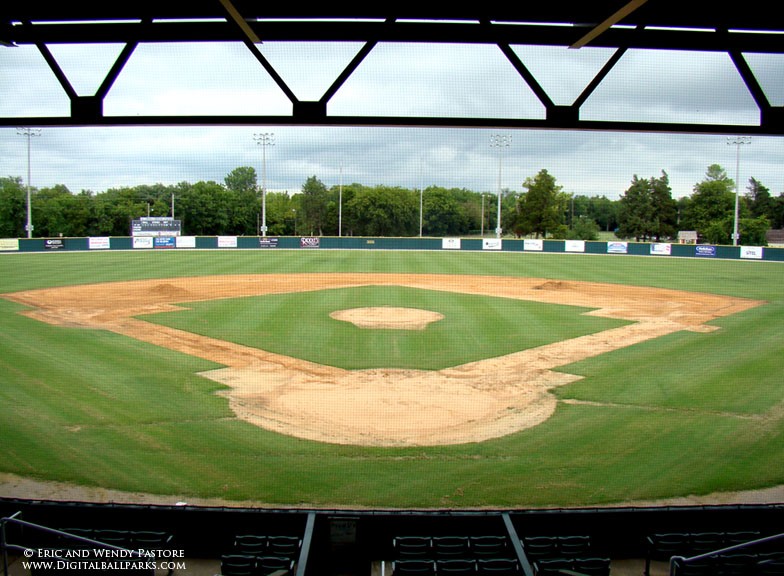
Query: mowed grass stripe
x=299 y=325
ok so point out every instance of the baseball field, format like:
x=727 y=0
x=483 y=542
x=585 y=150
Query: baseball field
x=390 y=379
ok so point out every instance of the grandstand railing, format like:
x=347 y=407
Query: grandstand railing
x=677 y=561
x=14 y=519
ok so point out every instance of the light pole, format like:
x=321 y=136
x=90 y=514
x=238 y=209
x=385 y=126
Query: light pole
x=340 y=203
x=482 y=225
x=264 y=139
x=421 y=197
x=737 y=141
x=499 y=141
x=28 y=133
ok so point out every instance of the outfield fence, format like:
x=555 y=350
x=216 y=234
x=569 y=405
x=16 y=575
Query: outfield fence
x=654 y=249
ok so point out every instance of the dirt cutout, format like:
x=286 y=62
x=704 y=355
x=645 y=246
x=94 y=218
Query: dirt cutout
x=383 y=407
x=388 y=318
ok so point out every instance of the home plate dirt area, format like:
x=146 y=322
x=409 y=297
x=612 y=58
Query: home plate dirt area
x=383 y=407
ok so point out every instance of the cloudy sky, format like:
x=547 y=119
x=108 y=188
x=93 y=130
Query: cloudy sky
x=396 y=79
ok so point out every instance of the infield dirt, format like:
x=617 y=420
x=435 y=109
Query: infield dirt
x=383 y=407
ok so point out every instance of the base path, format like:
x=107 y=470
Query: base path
x=384 y=407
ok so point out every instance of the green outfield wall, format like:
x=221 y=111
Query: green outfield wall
x=654 y=249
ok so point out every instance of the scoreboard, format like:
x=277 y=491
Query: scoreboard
x=155 y=226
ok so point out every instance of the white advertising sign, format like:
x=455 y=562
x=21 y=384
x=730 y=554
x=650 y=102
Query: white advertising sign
x=753 y=252
x=227 y=241
x=450 y=243
x=101 y=243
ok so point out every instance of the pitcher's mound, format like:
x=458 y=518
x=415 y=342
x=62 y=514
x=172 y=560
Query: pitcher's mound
x=388 y=317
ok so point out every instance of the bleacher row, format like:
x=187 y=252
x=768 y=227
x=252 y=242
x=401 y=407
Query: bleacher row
x=578 y=554
x=694 y=554
x=261 y=555
x=495 y=556
x=715 y=553
x=90 y=539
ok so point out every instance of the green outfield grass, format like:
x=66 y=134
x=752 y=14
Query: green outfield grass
x=688 y=413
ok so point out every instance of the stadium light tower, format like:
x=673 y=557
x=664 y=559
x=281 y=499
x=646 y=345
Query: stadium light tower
x=499 y=141
x=28 y=133
x=264 y=140
x=737 y=141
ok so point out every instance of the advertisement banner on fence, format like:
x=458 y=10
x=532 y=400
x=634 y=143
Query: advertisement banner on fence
x=164 y=242
x=309 y=242
x=186 y=241
x=617 y=247
x=54 y=244
x=9 y=244
x=99 y=243
x=450 y=243
x=142 y=242
x=705 y=251
x=491 y=244
x=268 y=242
x=753 y=252
x=574 y=245
x=533 y=245
x=661 y=249
x=227 y=241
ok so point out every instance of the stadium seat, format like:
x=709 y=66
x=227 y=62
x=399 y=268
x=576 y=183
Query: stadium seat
x=250 y=545
x=412 y=546
x=278 y=565
x=450 y=546
x=285 y=546
x=489 y=546
x=411 y=567
x=150 y=539
x=238 y=565
x=551 y=566
x=574 y=546
x=771 y=567
x=592 y=566
x=497 y=567
x=456 y=567
x=536 y=547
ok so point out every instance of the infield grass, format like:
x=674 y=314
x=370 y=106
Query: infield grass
x=473 y=328
x=688 y=413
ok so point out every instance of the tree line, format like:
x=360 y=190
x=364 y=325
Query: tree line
x=645 y=211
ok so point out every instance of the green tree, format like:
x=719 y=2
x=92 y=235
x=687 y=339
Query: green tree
x=604 y=212
x=777 y=212
x=314 y=201
x=759 y=200
x=647 y=210
x=13 y=208
x=383 y=211
x=543 y=207
x=280 y=215
x=583 y=228
x=116 y=208
x=664 y=207
x=712 y=202
x=443 y=215
x=754 y=231
x=636 y=212
x=242 y=179
x=204 y=208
